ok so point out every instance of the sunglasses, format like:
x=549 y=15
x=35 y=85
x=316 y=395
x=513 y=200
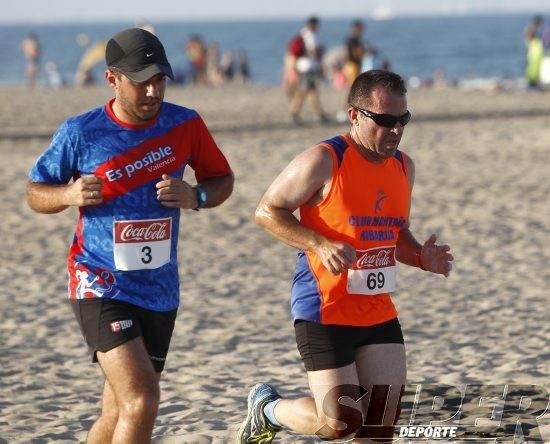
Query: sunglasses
x=385 y=120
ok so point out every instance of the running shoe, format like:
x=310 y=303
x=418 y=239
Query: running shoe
x=256 y=427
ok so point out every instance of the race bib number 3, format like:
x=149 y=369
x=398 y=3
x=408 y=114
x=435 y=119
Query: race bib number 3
x=142 y=244
x=373 y=272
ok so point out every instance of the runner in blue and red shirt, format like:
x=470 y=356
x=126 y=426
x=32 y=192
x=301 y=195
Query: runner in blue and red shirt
x=122 y=164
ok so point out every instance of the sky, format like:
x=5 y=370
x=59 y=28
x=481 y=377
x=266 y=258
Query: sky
x=51 y=11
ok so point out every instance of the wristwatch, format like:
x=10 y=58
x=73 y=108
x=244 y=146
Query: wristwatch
x=201 y=198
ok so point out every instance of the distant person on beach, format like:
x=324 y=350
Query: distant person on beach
x=214 y=74
x=355 y=49
x=353 y=193
x=32 y=51
x=195 y=51
x=233 y=69
x=54 y=78
x=535 y=51
x=121 y=165
x=227 y=65
x=242 y=68
x=303 y=71
x=545 y=63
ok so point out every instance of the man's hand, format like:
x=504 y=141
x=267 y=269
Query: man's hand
x=436 y=258
x=85 y=191
x=176 y=193
x=336 y=256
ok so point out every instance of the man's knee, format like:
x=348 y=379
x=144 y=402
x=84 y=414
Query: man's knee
x=140 y=405
x=109 y=408
x=109 y=416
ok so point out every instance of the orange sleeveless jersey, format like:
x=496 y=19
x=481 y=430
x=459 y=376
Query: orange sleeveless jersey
x=366 y=206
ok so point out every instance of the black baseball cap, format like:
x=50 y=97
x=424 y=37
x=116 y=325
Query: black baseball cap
x=138 y=54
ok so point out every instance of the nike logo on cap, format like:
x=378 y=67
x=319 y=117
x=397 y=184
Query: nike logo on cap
x=148 y=55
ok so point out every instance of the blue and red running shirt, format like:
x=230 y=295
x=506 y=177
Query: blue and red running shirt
x=126 y=247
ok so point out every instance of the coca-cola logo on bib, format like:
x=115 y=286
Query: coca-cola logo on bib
x=153 y=230
x=376 y=258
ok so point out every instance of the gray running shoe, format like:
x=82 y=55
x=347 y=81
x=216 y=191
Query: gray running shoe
x=256 y=427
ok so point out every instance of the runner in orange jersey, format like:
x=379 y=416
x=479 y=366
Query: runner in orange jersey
x=353 y=193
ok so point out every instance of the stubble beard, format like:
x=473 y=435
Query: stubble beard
x=134 y=112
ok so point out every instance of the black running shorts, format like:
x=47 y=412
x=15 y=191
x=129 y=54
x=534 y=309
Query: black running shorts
x=108 y=323
x=324 y=347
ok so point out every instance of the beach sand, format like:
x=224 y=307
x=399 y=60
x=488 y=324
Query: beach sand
x=482 y=184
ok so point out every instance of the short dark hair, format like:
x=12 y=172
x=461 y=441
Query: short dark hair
x=365 y=83
x=313 y=20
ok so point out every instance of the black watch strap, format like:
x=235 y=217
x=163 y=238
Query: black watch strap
x=201 y=198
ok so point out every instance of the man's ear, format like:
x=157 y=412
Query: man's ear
x=111 y=78
x=353 y=116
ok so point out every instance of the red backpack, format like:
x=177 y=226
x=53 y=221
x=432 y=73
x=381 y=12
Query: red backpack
x=296 y=46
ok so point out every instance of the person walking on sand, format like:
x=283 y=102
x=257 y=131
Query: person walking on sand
x=353 y=193
x=195 y=52
x=303 y=71
x=31 y=50
x=535 y=51
x=126 y=160
x=355 y=49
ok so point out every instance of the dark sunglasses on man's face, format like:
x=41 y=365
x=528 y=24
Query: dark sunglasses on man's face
x=385 y=120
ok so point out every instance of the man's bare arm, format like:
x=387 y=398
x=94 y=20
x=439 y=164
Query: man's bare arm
x=303 y=182
x=53 y=198
x=176 y=193
x=218 y=189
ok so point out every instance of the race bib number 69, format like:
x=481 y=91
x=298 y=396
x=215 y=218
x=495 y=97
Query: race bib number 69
x=373 y=272
x=142 y=244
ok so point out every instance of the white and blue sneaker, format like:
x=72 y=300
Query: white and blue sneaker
x=256 y=427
